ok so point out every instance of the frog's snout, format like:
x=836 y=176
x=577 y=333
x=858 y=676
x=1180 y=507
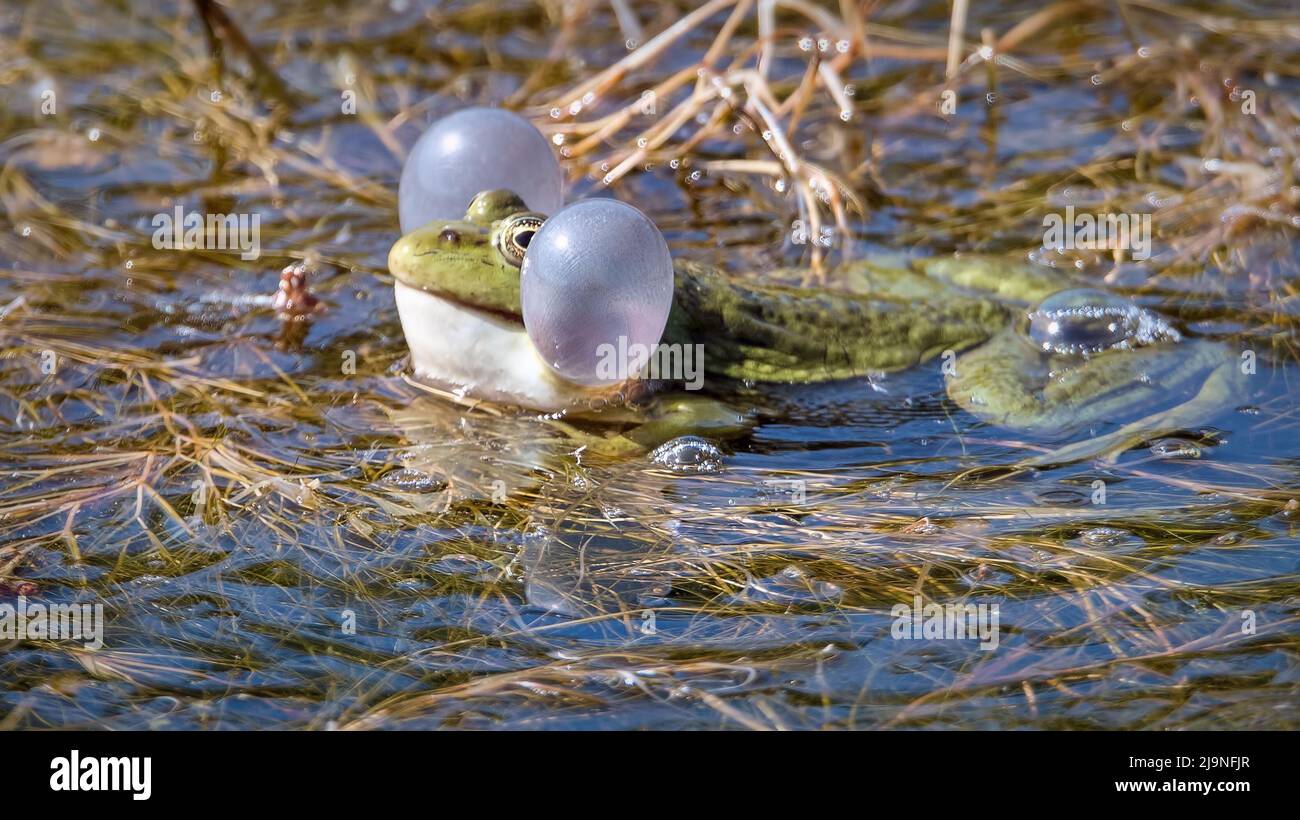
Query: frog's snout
x=409 y=258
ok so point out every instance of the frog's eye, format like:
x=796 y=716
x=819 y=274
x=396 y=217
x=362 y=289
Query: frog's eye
x=450 y=236
x=516 y=234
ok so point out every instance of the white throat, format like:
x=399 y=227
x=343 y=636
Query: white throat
x=482 y=355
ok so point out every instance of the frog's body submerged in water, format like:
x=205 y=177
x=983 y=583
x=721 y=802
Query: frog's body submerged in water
x=1093 y=358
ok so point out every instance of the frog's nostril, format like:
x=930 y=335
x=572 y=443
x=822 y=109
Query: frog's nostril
x=1087 y=321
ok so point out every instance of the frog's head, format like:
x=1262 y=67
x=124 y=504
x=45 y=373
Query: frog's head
x=473 y=261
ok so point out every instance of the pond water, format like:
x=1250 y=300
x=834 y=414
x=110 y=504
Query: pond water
x=284 y=530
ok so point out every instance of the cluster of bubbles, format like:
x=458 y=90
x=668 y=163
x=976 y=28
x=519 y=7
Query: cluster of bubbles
x=597 y=277
x=1084 y=322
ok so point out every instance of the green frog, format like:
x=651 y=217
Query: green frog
x=1020 y=346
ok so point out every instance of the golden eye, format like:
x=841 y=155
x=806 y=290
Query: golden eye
x=515 y=235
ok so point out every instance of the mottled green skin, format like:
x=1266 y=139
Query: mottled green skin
x=776 y=334
x=758 y=333
x=457 y=259
x=895 y=316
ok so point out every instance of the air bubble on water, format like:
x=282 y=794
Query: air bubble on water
x=1085 y=322
x=1104 y=536
x=1173 y=448
x=688 y=454
x=986 y=52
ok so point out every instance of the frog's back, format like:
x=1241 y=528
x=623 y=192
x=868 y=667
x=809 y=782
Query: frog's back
x=788 y=334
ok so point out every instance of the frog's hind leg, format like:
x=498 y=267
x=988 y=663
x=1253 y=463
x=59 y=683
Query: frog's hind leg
x=1161 y=389
x=1219 y=391
x=1004 y=279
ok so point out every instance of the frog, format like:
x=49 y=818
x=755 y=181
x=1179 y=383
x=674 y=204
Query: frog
x=1022 y=346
